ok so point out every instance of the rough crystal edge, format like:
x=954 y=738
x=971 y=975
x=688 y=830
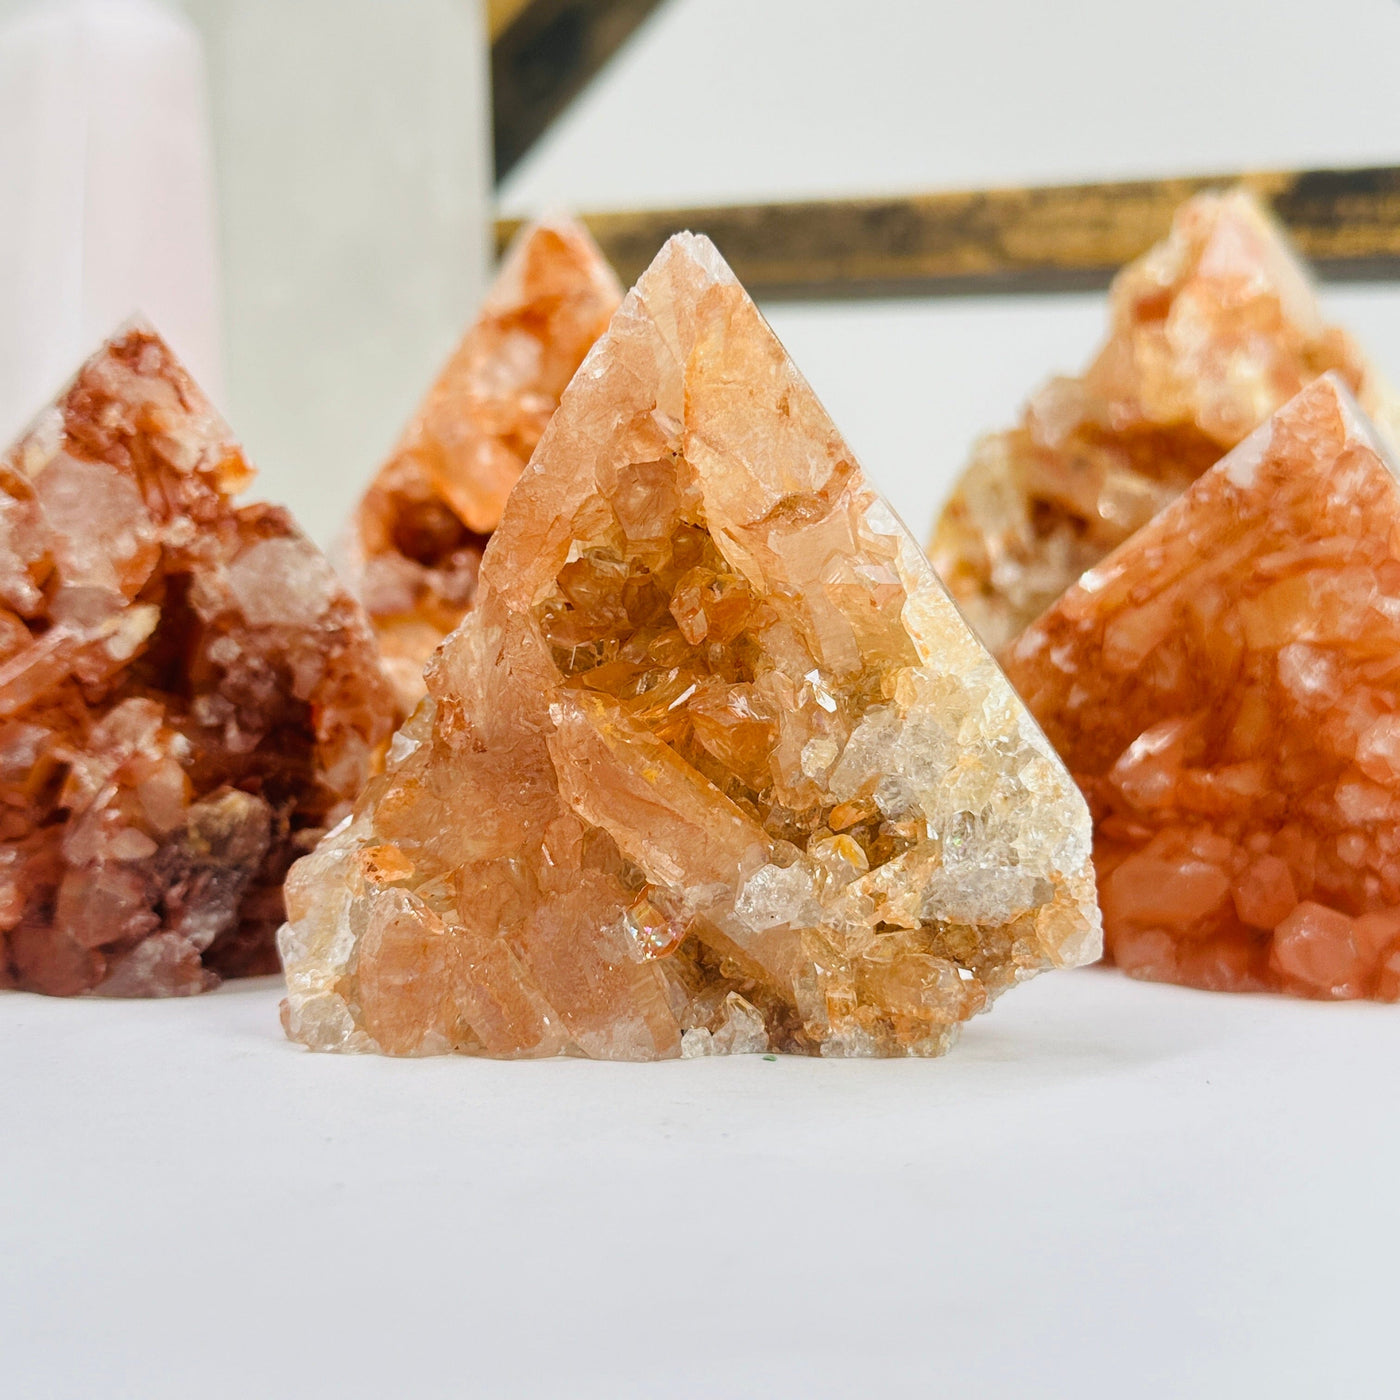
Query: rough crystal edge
x=505 y=290
x=137 y=323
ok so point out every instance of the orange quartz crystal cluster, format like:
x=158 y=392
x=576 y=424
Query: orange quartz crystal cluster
x=187 y=696
x=417 y=537
x=712 y=765
x=1212 y=330
x=1226 y=690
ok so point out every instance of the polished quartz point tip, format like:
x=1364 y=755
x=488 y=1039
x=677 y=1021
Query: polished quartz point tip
x=701 y=644
x=1212 y=330
x=416 y=539
x=188 y=698
x=1226 y=689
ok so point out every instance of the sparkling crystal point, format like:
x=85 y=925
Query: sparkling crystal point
x=1211 y=331
x=417 y=537
x=699 y=636
x=188 y=697
x=1226 y=689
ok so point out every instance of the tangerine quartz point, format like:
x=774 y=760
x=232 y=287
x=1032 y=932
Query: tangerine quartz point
x=1211 y=331
x=416 y=540
x=712 y=765
x=188 y=698
x=1225 y=688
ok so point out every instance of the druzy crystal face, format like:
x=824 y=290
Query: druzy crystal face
x=187 y=696
x=712 y=765
x=1226 y=690
x=1212 y=330
x=417 y=537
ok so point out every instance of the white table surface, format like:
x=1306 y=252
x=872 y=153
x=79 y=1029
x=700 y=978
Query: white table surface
x=1107 y=1189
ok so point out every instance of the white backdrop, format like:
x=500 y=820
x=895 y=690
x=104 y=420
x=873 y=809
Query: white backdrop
x=1107 y=1190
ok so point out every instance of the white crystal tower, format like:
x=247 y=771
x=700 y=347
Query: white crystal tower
x=106 y=190
x=353 y=166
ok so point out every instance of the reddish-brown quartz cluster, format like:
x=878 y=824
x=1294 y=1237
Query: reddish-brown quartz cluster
x=419 y=532
x=187 y=696
x=1226 y=690
x=1212 y=330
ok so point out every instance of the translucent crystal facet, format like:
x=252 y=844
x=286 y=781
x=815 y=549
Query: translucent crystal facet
x=188 y=698
x=712 y=765
x=1212 y=330
x=418 y=535
x=1226 y=689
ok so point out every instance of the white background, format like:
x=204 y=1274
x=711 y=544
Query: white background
x=1107 y=1190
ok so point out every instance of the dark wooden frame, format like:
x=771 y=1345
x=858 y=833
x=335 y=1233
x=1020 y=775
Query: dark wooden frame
x=1058 y=237
x=1052 y=238
x=543 y=54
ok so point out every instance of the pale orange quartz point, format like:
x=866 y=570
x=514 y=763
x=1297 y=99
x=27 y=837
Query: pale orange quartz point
x=1211 y=331
x=188 y=696
x=712 y=765
x=417 y=536
x=1226 y=689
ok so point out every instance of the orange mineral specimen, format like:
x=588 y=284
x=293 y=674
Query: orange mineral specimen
x=187 y=696
x=713 y=765
x=1226 y=689
x=1212 y=330
x=417 y=537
